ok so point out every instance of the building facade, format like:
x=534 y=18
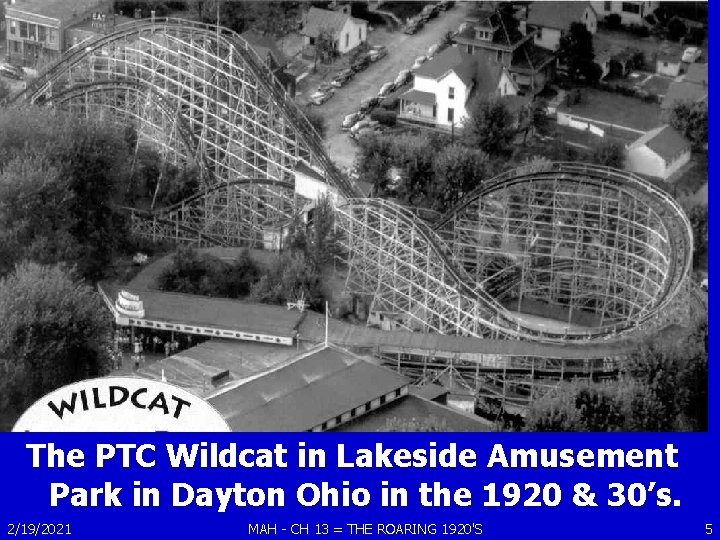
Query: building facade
x=37 y=30
x=629 y=12
x=661 y=152
x=347 y=32
x=552 y=20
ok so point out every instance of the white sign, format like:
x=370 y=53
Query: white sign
x=121 y=404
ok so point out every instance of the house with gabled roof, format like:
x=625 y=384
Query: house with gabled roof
x=661 y=152
x=552 y=20
x=347 y=32
x=487 y=37
x=443 y=87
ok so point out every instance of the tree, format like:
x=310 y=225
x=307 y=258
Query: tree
x=323 y=243
x=373 y=161
x=577 y=53
x=4 y=92
x=292 y=276
x=324 y=46
x=192 y=272
x=534 y=118
x=457 y=171
x=609 y=154
x=414 y=154
x=691 y=119
x=54 y=330
x=76 y=171
x=489 y=126
x=676 y=29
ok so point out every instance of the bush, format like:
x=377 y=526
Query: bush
x=639 y=30
x=696 y=36
x=385 y=117
x=613 y=21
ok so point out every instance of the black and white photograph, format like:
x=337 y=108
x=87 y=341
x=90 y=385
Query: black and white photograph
x=369 y=215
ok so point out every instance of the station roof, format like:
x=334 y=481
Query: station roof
x=319 y=385
x=60 y=10
x=218 y=313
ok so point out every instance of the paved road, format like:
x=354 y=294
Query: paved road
x=402 y=51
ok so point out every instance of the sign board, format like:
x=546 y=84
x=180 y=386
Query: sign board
x=121 y=404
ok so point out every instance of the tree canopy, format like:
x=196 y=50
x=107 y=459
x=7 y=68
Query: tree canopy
x=54 y=330
x=60 y=178
x=691 y=119
x=577 y=53
x=489 y=126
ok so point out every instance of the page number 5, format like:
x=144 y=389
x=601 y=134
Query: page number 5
x=708 y=528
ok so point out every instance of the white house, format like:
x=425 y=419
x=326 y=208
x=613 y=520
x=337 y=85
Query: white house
x=552 y=20
x=347 y=31
x=630 y=12
x=660 y=152
x=443 y=86
x=669 y=63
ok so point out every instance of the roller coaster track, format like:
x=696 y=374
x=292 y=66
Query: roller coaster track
x=223 y=107
x=245 y=122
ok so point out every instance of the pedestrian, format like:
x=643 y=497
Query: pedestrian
x=167 y=348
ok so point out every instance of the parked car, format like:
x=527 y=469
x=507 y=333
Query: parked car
x=362 y=124
x=341 y=77
x=369 y=104
x=432 y=51
x=402 y=78
x=691 y=54
x=351 y=119
x=419 y=61
x=385 y=89
x=320 y=97
x=361 y=62
x=324 y=87
x=11 y=72
x=412 y=27
x=378 y=52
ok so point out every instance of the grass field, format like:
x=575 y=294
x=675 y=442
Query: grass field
x=615 y=109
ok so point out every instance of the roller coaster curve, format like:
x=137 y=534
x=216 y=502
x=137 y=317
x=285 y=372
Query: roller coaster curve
x=202 y=95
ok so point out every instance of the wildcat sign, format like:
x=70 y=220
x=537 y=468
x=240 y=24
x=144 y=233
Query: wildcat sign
x=126 y=404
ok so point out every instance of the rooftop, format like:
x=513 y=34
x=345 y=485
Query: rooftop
x=451 y=59
x=318 y=19
x=416 y=408
x=317 y=386
x=218 y=313
x=558 y=15
x=664 y=141
x=61 y=10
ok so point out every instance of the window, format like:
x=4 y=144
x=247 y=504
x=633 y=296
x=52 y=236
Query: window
x=630 y=7
x=312 y=41
x=451 y=115
x=52 y=35
x=16 y=46
x=499 y=56
x=23 y=29
x=469 y=49
x=42 y=33
x=13 y=25
x=347 y=40
x=451 y=93
x=608 y=6
x=360 y=33
x=434 y=111
x=539 y=32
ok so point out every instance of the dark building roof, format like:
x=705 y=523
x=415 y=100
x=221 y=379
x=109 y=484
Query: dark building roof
x=318 y=386
x=61 y=10
x=218 y=313
x=665 y=141
x=530 y=58
x=264 y=46
x=559 y=15
x=318 y=19
x=417 y=409
x=451 y=59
